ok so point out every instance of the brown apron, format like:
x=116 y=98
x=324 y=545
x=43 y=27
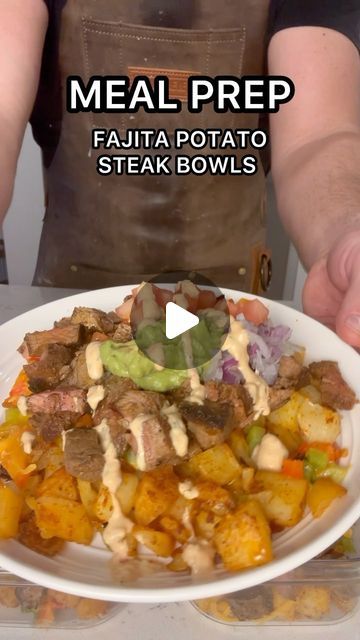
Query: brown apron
x=107 y=230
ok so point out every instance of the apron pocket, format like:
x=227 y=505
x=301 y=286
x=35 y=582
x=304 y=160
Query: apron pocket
x=117 y=48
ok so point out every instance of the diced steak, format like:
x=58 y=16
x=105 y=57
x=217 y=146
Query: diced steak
x=235 y=395
x=123 y=333
x=134 y=402
x=77 y=375
x=115 y=387
x=46 y=372
x=50 y=425
x=278 y=397
x=252 y=603
x=210 y=423
x=291 y=375
x=83 y=454
x=65 y=399
x=156 y=442
x=335 y=392
x=117 y=426
x=69 y=336
x=289 y=368
x=93 y=319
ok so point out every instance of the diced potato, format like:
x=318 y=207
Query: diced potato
x=60 y=485
x=317 y=423
x=176 y=529
x=103 y=507
x=8 y=597
x=156 y=491
x=64 y=519
x=205 y=524
x=11 y=504
x=313 y=602
x=88 y=609
x=291 y=439
x=311 y=393
x=243 y=538
x=239 y=446
x=13 y=457
x=282 y=497
x=127 y=491
x=322 y=493
x=214 y=498
x=179 y=507
x=217 y=464
x=159 y=542
x=287 y=415
x=88 y=496
x=178 y=563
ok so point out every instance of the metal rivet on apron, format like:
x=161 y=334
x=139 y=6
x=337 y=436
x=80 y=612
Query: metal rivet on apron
x=242 y=271
x=73 y=267
x=265 y=271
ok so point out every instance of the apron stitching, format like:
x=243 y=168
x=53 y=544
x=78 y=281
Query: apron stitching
x=171 y=41
x=241 y=56
x=87 y=65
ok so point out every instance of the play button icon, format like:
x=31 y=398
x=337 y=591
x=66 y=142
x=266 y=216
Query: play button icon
x=178 y=320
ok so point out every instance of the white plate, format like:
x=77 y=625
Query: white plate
x=88 y=571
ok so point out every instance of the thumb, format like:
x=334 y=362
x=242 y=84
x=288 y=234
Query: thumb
x=344 y=272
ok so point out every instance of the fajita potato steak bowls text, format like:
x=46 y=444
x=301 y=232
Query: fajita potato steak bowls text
x=130 y=472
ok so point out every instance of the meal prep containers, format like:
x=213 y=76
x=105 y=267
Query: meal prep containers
x=23 y=604
x=322 y=591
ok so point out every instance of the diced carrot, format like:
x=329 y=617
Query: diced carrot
x=293 y=468
x=333 y=452
x=20 y=388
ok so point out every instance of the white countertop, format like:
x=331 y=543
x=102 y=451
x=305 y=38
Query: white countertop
x=155 y=622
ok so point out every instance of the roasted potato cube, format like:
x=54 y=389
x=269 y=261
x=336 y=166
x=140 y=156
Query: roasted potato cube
x=176 y=529
x=282 y=497
x=159 y=542
x=322 y=493
x=287 y=415
x=64 y=519
x=178 y=563
x=243 y=538
x=88 y=496
x=240 y=447
x=217 y=464
x=156 y=491
x=317 y=423
x=11 y=504
x=313 y=602
x=214 y=498
x=291 y=439
x=205 y=524
x=59 y=485
x=103 y=507
x=126 y=493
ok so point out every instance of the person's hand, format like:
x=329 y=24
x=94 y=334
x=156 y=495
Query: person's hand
x=332 y=289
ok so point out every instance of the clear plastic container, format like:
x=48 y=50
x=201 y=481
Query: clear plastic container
x=323 y=591
x=23 y=604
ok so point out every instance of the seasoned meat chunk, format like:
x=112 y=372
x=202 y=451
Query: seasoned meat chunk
x=64 y=399
x=93 y=319
x=252 y=603
x=133 y=402
x=77 y=375
x=210 y=423
x=278 y=397
x=83 y=454
x=46 y=372
x=123 y=333
x=335 y=392
x=117 y=426
x=233 y=394
x=50 y=425
x=115 y=387
x=289 y=369
x=155 y=442
x=69 y=336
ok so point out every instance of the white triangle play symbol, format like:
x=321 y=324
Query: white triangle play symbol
x=178 y=320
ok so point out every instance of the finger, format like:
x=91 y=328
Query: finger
x=321 y=299
x=348 y=316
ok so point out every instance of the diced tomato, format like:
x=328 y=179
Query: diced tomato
x=124 y=310
x=233 y=307
x=20 y=388
x=332 y=451
x=207 y=299
x=162 y=296
x=293 y=468
x=254 y=311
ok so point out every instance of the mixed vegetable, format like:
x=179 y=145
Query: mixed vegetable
x=187 y=464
